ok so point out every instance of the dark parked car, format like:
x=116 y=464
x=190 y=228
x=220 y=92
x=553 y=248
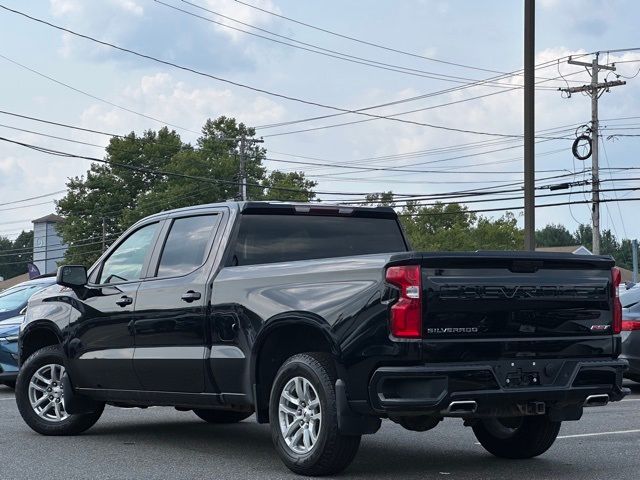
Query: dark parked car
x=13 y=302
x=9 y=330
x=631 y=340
x=322 y=321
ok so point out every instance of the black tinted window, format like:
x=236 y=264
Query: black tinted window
x=126 y=261
x=185 y=248
x=284 y=238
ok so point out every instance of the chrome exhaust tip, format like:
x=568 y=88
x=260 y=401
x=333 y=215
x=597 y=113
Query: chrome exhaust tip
x=462 y=407
x=596 y=400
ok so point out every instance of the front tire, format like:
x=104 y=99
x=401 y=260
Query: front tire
x=40 y=396
x=517 y=438
x=304 y=419
x=221 y=416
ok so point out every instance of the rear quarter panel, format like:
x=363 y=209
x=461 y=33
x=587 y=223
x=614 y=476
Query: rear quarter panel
x=343 y=296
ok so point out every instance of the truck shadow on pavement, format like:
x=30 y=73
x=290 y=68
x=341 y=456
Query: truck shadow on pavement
x=248 y=447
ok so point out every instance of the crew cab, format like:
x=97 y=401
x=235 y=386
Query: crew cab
x=322 y=321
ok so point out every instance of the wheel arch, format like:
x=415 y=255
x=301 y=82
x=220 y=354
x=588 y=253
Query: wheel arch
x=36 y=335
x=281 y=337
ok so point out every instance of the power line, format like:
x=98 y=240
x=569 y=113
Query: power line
x=54 y=258
x=203 y=179
x=442 y=160
x=606 y=157
x=323 y=51
x=95 y=97
x=80 y=243
x=432 y=94
x=50 y=122
x=434 y=151
x=371 y=44
x=397 y=114
x=387 y=104
x=158 y=172
x=517 y=207
x=502 y=199
x=25 y=206
x=32 y=198
x=249 y=87
x=51 y=136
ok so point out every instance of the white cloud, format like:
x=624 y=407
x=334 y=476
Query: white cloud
x=242 y=13
x=163 y=97
x=129 y=6
x=64 y=7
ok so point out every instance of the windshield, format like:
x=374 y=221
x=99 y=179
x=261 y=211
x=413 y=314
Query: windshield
x=15 y=297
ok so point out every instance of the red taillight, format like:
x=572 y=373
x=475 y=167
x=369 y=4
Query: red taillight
x=406 y=313
x=630 y=325
x=616 y=279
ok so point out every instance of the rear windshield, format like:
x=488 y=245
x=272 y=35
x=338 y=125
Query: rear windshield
x=286 y=238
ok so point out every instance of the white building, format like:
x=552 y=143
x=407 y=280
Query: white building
x=48 y=248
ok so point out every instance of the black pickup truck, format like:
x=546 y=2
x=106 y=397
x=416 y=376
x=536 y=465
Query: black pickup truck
x=321 y=321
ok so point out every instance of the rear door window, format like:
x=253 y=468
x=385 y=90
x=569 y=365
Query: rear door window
x=186 y=246
x=285 y=238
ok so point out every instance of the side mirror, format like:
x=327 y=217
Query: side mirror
x=72 y=276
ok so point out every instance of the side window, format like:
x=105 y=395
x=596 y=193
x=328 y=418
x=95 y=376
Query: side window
x=186 y=246
x=125 y=262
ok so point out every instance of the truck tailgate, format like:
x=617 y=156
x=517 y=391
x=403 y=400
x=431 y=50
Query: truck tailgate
x=486 y=305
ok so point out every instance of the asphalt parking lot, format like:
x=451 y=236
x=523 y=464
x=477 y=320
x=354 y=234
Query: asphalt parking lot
x=161 y=443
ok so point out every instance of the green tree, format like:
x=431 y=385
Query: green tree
x=554 y=236
x=126 y=189
x=583 y=236
x=451 y=227
x=111 y=192
x=441 y=227
x=500 y=234
x=14 y=255
x=383 y=199
x=291 y=187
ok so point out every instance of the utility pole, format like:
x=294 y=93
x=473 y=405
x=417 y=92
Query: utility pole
x=529 y=126
x=594 y=90
x=104 y=234
x=243 y=171
x=242 y=174
x=634 y=253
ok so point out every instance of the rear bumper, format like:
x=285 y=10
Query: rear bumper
x=497 y=388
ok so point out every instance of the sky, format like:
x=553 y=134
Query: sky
x=115 y=92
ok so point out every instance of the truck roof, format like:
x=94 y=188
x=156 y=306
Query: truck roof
x=292 y=208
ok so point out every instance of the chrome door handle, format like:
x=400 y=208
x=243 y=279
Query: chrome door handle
x=124 y=301
x=191 y=296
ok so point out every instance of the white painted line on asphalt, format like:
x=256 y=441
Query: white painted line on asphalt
x=631 y=400
x=10 y=398
x=580 y=435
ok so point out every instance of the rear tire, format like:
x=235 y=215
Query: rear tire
x=303 y=404
x=11 y=384
x=517 y=438
x=40 y=396
x=221 y=416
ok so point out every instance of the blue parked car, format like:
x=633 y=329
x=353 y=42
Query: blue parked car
x=13 y=303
